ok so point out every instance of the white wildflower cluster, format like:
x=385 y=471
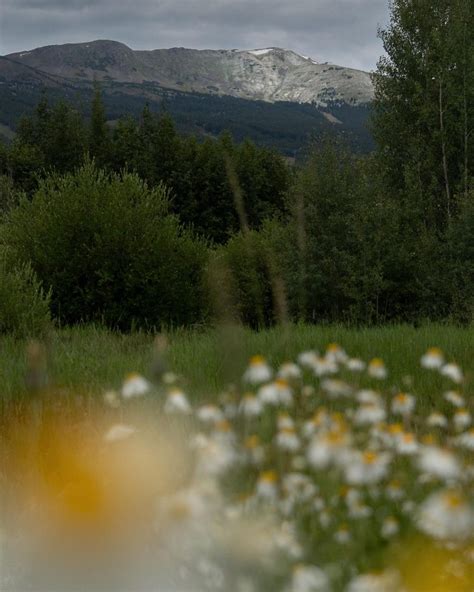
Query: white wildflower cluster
x=291 y=481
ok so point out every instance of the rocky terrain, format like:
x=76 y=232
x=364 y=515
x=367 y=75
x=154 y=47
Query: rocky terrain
x=271 y=74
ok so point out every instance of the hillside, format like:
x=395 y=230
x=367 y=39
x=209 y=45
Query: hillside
x=274 y=96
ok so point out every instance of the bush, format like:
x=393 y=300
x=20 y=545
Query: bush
x=24 y=305
x=256 y=293
x=110 y=251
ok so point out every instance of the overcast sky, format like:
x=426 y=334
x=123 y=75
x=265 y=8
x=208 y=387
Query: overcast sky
x=340 y=31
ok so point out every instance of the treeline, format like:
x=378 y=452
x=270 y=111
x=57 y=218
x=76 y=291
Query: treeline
x=137 y=226
x=57 y=139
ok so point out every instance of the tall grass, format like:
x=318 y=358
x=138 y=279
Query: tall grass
x=88 y=360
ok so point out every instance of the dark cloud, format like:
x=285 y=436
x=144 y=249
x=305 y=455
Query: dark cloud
x=340 y=31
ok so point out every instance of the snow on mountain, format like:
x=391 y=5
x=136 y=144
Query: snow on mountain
x=268 y=74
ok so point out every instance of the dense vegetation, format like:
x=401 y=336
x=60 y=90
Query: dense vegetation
x=131 y=225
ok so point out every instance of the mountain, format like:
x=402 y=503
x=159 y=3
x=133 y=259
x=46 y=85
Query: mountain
x=275 y=96
x=271 y=74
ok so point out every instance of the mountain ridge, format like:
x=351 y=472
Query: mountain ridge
x=268 y=74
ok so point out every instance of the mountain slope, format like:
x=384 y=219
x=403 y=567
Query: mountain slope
x=260 y=94
x=271 y=74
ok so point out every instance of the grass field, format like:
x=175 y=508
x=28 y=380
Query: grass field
x=336 y=483
x=88 y=360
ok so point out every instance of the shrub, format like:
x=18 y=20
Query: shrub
x=254 y=276
x=110 y=251
x=24 y=305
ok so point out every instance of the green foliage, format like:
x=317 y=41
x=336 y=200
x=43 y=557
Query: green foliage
x=459 y=261
x=24 y=305
x=424 y=106
x=246 y=263
x=110 y=251
x=99 y=135
x=57 y=132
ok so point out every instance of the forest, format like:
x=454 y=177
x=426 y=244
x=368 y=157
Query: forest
x=138 y=226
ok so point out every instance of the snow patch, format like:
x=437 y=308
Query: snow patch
x=24 y=53
x=259 y=52
x=309 y=59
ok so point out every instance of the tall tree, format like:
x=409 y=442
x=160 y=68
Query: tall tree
x=99 y=134
x=424 y=105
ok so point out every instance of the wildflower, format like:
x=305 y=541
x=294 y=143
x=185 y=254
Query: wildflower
x=336 y=388
x=289 y=371
x=112 y=399
x=406 y=443
x=119 y=432
x=324 y=366
x=437 y=420
x=326 y=449
x=446 y=515
x=432 y=359
x=403 y=404
x=390 y=527
x=214 y=457
x=287 y=440
x=368 y=396
x=308 y=359
x=177 y=402
x=360 y=510
x=454 y=398
x=286 y=540
x=308 y=578
x=299 y=485
x=169 y=378
x=452 y=371
x=307 y=390
x=335 y=353
x=258 y=371
x=325 y=519
x=355 y=365
x=342 y=535
x=210 y=414
x=377 y=369
x=394 y=490
x=254 y=449
x=466 y=440
x=250 y=406
x=375 y=582
x=366 y=468
x=369 y=413
x=276 y=393
x=462 y=419
x=267 y=485
x=284 y=422
x=135 y=386
x=439 y=463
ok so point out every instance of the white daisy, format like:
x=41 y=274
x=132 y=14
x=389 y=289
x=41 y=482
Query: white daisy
x=289 y=371
x=135 y=386
x=119 y=432
x=258 y=371
x=403 y=404
x=439 y=462
x=308 y=578
x=250 y=406
x=377 y=369
x=432 y=359
x=446 y=515
x=177 y=402
x=454 y=398
x=452 y=371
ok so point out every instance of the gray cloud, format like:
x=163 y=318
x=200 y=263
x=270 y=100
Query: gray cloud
x=340 y=31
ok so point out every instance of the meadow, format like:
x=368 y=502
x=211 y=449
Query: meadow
x=300 y=458
x=92 y=359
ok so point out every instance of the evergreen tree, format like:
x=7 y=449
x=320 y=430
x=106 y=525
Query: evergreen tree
x=99 y=135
